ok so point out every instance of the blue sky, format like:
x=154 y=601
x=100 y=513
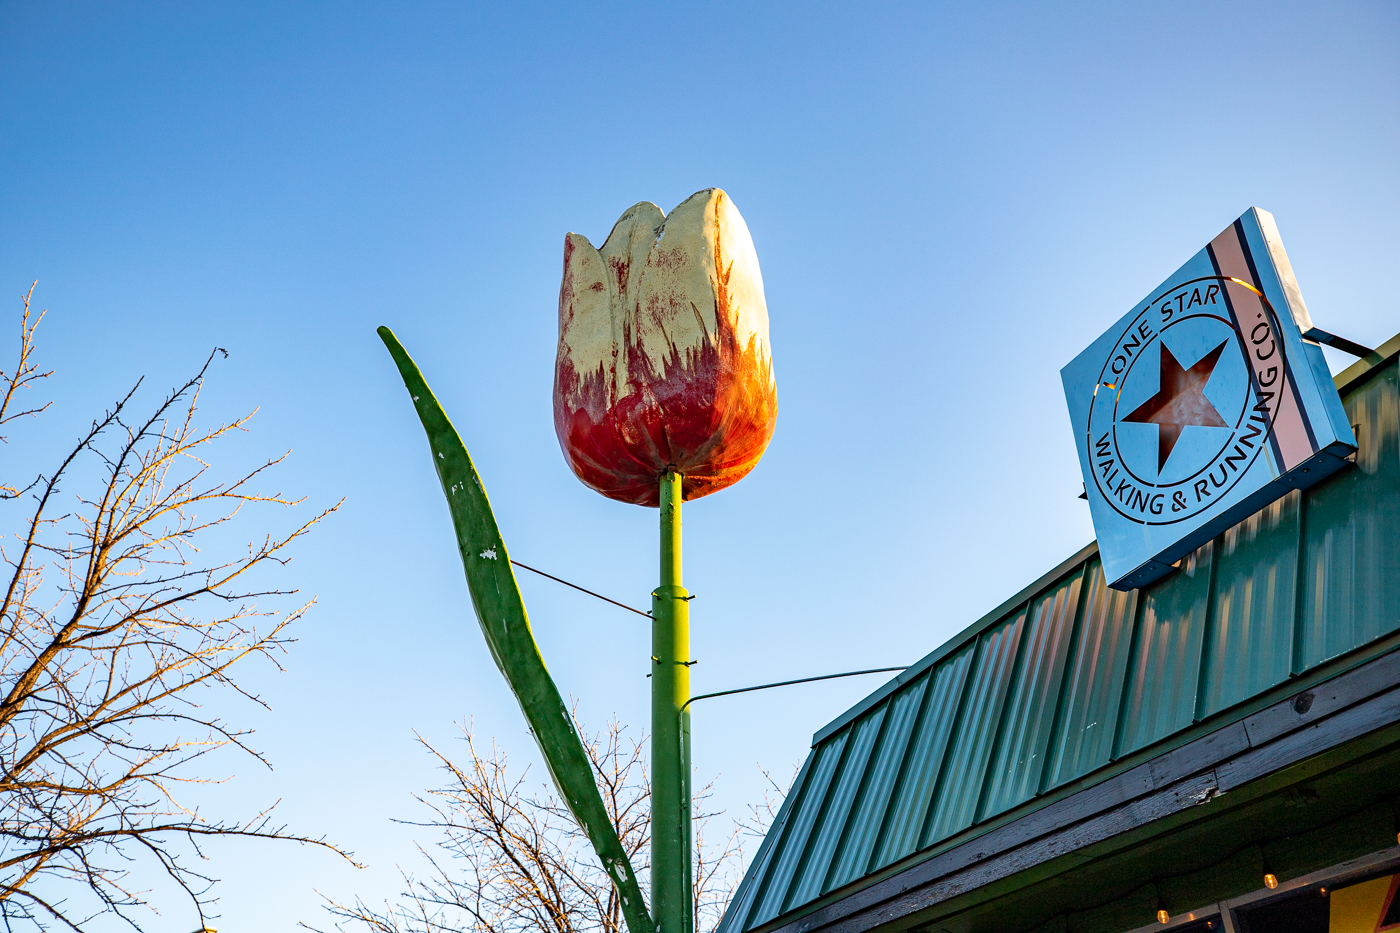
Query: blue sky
x=948 y=202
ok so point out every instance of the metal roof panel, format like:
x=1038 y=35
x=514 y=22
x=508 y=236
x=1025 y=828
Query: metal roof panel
x=1249 y=645
x=1351 y=564
x=1165 y=670
x=923 y=762
x=863 y=828
x=1014 y=775
x=960 y=788
x=1088 y=709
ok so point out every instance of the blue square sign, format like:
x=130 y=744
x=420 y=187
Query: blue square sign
x=1202 y=405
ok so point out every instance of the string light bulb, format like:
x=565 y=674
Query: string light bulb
x=1163 y=916
x=1270 y=879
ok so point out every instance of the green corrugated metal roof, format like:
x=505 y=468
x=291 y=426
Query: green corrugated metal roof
x=1068 y=682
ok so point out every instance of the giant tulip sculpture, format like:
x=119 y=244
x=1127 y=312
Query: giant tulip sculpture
x=663 y=391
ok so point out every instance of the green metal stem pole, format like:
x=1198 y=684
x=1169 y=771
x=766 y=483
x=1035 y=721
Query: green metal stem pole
x=670 y=727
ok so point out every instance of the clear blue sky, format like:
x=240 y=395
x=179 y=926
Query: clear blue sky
x=948 y=201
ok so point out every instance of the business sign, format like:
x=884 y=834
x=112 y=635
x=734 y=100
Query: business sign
x=1202 y=405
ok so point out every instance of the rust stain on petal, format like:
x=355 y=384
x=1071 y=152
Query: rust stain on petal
x=663 y=358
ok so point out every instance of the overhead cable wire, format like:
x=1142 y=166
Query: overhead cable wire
x=579 y=588
x=789 y=683
x=721 y=693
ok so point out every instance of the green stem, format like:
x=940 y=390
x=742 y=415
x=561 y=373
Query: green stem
x=670 y=727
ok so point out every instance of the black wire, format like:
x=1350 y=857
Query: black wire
x=789 y=683
x=579 y=588
x=722 y=693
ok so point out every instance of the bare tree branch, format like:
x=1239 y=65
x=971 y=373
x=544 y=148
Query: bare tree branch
x=25 y=373
x=511 y=859
x=111 y=619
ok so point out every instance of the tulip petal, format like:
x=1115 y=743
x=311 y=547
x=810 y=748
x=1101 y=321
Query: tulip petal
x=625 y=255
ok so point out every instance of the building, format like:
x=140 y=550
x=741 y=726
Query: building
x=1219 y=750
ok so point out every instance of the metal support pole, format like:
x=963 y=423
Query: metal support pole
x=670 y=727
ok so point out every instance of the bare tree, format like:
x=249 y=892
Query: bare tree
x=510 y=857
x=115 y=629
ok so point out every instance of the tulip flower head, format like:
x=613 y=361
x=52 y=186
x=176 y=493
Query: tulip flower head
x=663 y=360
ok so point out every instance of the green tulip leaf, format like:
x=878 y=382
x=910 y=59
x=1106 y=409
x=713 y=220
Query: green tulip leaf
x=501 y=613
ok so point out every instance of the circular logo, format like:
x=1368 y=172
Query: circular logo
x=1186 y=399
